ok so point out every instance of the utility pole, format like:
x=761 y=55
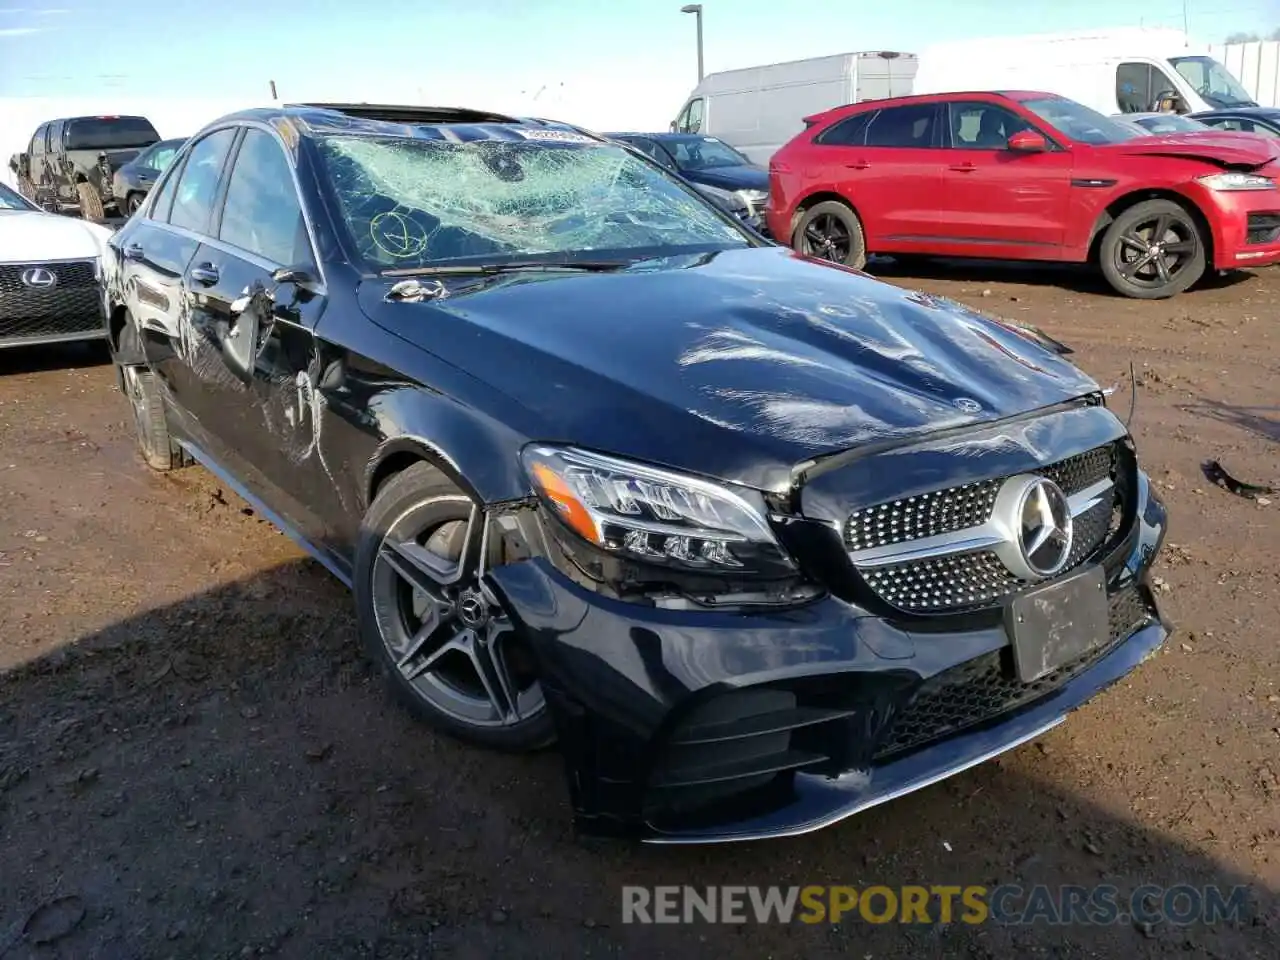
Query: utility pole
x=696 y=10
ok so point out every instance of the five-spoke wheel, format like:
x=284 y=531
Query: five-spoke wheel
x=436 y=627
x=831 y=231
x=1153 y=250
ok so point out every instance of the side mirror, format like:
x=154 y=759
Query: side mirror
x=240 y=341
x=1028 y=141
x=302 y=278
x=673 y=127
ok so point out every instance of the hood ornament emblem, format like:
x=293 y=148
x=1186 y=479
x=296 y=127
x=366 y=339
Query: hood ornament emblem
x=39 y=278
x=967 y=404
x=1035 y=517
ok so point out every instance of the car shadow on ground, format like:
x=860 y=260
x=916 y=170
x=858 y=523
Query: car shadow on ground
x=1260 y=421
x=1078 y=278
x=224 y=777
x=55 y=356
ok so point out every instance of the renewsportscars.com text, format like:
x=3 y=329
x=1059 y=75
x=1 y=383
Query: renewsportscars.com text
x=1006 y=904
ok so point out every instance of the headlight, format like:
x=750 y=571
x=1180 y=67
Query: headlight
x=1237 y=181
x=754 y=199
x=727 y=199
x=655 y=516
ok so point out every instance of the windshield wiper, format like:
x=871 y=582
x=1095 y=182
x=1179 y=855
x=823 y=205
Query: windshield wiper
x=515 y=266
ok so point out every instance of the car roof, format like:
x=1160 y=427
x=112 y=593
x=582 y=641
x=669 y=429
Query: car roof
x=672 y=137
x=113 y=116
x=868 y=105
x=1239 y=111
x=413 y=122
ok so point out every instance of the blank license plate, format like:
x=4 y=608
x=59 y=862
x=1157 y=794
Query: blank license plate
x=1057 y=623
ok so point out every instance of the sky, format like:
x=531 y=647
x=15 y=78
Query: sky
x=471 y=51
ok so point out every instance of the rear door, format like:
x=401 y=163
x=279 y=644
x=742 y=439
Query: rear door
x=996 y=201
x=158 y=251
x=885 y=164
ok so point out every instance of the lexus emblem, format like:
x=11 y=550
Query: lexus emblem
x=1035 y=518
x=38 y=278
x=967 y=404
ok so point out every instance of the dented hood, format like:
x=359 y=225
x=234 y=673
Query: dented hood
x=736 y=365
x=1225 y=149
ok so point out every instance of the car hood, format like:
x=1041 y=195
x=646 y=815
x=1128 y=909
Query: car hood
x=1224 y=149
x=731 y=178
x=736 y=365
x=27 y=236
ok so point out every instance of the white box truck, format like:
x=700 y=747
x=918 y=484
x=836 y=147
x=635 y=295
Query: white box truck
x=758 y=109
x=1119 y=70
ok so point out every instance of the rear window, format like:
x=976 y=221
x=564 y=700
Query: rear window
x=109 y=133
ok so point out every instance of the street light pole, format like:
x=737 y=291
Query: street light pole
x=696 y=10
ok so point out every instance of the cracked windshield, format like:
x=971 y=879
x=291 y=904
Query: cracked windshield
x=411 y=203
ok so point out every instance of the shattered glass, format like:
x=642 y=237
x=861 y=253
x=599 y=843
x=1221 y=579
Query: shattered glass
x=414 y=202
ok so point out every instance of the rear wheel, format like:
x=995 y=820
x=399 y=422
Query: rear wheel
x=132 y=203
x=1153 y=250
x=831 y=231
x=90 y=203
x=142 y=391
x=427 y=617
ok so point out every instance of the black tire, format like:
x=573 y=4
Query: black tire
x=1153 y=250
x=90 y=202
x=422 y=495
x=831 y=231
x=138 y=384
x=131 y=204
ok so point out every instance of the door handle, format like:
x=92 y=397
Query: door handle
x=144 y=177
x=857 y=165
x=206 y=274
x=134 y=251
x=964 y=167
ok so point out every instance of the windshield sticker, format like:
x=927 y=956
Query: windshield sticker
x=562 y=136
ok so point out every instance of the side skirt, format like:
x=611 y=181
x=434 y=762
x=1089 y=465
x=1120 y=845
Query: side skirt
x=319 y=555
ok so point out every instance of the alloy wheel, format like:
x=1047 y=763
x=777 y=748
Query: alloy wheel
x=443 y=629
x=1155 y=251
x=137 y=401
x=827 y=238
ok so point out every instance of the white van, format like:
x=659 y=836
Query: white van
x=758 y=109
x=1122 y=70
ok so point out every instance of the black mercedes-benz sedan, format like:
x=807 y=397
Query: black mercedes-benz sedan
x=759 y=541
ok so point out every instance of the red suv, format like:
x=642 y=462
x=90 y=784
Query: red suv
x=1026 y=176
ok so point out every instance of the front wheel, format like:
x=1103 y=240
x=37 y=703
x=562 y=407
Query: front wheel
x=132 y=203
x=1153 y=250
x=831 y=231
x=450 y=650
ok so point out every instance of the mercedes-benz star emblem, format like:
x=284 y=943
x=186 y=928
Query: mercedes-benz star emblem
x=38 y=278
x=1035 y=517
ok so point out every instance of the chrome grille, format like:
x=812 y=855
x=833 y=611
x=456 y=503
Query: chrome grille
x=953 y=575
x=956 y=508
x=73 y=274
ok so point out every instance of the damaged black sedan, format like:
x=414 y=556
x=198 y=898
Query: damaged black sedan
x=760 y=541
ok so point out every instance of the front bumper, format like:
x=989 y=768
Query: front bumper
x=694 y=727
x=71 y=309
x=1247 y=228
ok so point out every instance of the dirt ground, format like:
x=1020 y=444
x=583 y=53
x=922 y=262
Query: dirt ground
x=196 y=762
